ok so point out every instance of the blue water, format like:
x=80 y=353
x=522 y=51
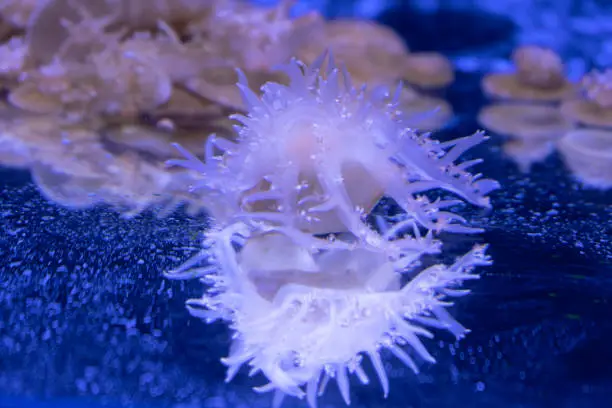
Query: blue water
x=88 y=320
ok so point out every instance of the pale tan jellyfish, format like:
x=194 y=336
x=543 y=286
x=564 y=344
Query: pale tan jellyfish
x=539 y=77
x=68 y=89
x=349 y=32
x=595 y=108
x=252 y=38
x=88 y=64
x=428 y=70
x=377 y=55
x=58 y=78
x=14 y=149
x=45 y=138
x=532 y=129
x=79 y=165
x=88 y=72
x=68 y=28
x=525 y=121
x=156 y=142
x=372 y=52
x=82 y=163
x=218 y=84
x=588 y=154
x=120 y=79
x=130 y=79
x=74 y=167
x=49 y=28
x=55 y=153
x=127 y=183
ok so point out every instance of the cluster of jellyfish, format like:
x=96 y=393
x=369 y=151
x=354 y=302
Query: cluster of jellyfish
x=540 y=109
x=94 y=93
x=307 y=282
x=310 y=279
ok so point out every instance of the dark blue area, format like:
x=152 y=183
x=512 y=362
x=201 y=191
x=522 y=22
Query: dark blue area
x=448 y=31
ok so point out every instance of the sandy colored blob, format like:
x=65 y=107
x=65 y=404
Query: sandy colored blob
x=594 y=107
x=588 y=155
x=97 y=92
x=532 y=129
x=539 y=76
x=525 y=121
x=371 y=52
x=428 y=70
